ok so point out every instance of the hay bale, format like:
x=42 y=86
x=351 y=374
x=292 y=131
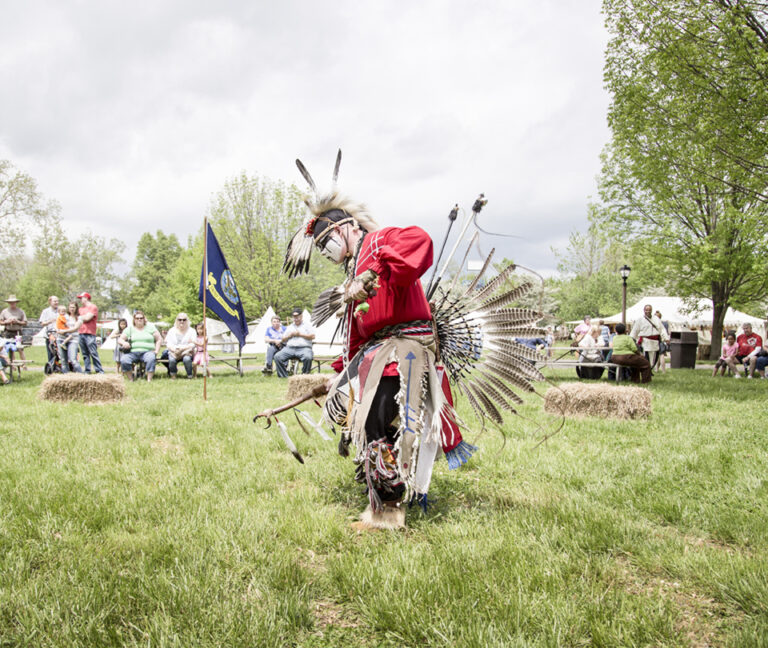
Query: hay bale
x=605 y=401
x=99 y=388
x=301 y=384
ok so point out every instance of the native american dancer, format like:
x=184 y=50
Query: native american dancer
x=391 y=395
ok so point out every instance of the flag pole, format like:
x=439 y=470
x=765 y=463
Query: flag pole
x=205 y=306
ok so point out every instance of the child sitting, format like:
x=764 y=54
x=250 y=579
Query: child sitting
x=730 y=348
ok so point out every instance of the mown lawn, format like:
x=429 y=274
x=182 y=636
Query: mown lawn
x=166 y=521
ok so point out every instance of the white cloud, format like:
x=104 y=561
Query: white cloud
x=133 y=116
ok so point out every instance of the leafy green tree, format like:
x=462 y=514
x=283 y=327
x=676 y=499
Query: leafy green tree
x=180 y=289
x=685 y=175
x=155 y=257
x=65 y=268
x=20 y=203
x=253 y=219
x=589 y=282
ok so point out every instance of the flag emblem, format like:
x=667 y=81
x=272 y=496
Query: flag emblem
x=228 y=287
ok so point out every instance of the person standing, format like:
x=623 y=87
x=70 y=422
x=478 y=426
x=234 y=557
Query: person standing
x=122 y=324
x=13 y=319
x=583 y=329
x=663 y=344
x=48 y=322
x=67 y=338
x=89 y=313
x=648 y=332
x=180 y=341
x=390 y=397
x=297 y=343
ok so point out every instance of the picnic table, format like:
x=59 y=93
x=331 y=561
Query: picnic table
x=572 y=361
x=18 y=365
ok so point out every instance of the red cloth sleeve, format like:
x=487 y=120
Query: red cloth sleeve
x=405 y=255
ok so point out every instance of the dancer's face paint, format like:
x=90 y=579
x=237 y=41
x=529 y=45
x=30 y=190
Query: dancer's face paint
x=334 y=247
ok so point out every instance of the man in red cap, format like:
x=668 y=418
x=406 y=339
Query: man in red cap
x=89 y=313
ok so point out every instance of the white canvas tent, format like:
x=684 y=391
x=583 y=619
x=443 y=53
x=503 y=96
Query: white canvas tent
x=38 y=339
x=254 y=341
x=218 y=333
x=323 y=336
x=680 y=316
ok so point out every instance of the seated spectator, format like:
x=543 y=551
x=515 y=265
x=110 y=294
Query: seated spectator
x=590 y=351
x=4 y=361
x=274 y=340
x=605 y=335
x=730 y=349
x=297 y=343
x=13 y=320
x=627 y=354
x=762 y=363
x=180 y=341
x=749 y=344
x=140 y=342
x=531 y=343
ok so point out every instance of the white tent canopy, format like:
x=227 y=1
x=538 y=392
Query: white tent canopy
x=257 y=329
x=675 y=311
x=679 y=315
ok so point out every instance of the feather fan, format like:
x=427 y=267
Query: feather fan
x=476 y=328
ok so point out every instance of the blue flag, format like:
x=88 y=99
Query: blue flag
x=222 y=298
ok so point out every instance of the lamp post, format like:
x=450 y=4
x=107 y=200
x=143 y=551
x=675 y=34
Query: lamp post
x=624 y=272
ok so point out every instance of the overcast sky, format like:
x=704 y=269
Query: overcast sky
x=132 y=115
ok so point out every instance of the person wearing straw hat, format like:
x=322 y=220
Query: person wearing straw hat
x=13 y=320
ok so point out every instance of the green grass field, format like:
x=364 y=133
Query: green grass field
x=167 y=521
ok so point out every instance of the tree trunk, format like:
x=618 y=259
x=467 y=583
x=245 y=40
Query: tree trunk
x=719 y=308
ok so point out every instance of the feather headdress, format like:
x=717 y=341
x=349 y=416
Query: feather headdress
x=299 y=251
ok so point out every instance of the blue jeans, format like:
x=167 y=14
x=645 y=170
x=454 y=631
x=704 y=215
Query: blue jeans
x=68 y=355
x=271 y=351
x=90 y=351
x=127 y=360
x=303 y=354
x=173 y=362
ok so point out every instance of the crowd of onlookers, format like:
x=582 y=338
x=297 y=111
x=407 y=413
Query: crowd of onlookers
x=289 y=343
x=644 y=349
x=742 y=352
x=72 y=343
x=71 y=336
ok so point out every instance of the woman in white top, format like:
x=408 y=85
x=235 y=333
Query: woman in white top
x=180 y=341
x=590 y=350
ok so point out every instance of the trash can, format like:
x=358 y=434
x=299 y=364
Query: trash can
x=682 y=347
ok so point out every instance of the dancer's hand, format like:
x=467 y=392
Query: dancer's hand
x=355 y=291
